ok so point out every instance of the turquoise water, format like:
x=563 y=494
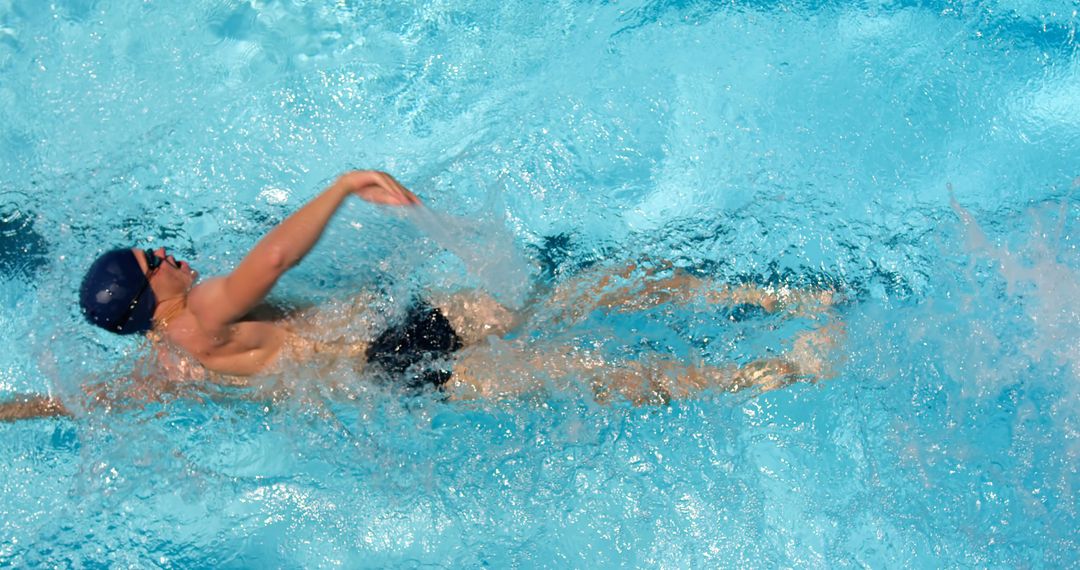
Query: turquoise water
x=788 y=141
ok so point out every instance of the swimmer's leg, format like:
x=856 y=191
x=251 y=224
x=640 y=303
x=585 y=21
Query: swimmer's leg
x=30 y=407
x=504 y=369
x=683 y=288
x=499 y=369
x=569 y=302
x=633 y=288
x=811 y=359
x=659 y=380
x=475 y=315
x=814 y=351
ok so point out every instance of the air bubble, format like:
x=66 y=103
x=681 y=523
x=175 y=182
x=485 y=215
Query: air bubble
x=13 y=218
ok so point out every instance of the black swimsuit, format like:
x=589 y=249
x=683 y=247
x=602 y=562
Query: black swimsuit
x=425 y=335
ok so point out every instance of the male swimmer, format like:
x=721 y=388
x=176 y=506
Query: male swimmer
x=442 y=341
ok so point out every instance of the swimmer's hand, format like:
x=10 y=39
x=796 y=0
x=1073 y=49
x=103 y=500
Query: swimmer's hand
x=378 y=188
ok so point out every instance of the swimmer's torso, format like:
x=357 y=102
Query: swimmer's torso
x=249 y=348
x=268 y=339
x=244 y=349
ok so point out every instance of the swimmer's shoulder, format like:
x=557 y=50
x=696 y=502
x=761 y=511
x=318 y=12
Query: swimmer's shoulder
x=176 y=363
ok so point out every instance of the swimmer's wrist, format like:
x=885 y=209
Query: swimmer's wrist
x=353 y=181
x=341 y=189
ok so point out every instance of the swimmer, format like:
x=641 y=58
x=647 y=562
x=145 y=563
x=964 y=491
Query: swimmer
x=217 y=327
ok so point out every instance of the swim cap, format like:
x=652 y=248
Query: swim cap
x=109 y=291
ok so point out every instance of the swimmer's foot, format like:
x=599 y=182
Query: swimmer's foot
x=811 y=351
x=810 y=359
x=797 y=302
x=765 y=375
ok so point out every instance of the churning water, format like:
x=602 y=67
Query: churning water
x=917 y=155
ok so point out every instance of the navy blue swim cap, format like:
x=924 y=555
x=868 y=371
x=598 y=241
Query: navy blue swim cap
x=116 y=295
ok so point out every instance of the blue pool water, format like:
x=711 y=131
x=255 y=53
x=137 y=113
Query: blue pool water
x=921 y=156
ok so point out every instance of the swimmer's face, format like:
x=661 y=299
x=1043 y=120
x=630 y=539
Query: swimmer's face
x=171 y=277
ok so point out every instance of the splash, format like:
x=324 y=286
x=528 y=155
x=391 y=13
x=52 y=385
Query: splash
x=1034 y=273
x=486 y=249
x=1038 y=275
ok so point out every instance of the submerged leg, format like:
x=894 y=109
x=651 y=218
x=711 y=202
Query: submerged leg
x=500 y=374
x=683 y=288
x=499 y=369
x=504 y=369
x=661 y=381
x=30 y=407
x=475 y=315
x=634 y=288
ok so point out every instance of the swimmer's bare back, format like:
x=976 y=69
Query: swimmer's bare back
x=208 y=320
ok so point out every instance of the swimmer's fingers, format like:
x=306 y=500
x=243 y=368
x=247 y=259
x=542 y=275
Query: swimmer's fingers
x=388 y=196
x=379 y=188
x=403 y=194
x=388 y=191
x=811 y=303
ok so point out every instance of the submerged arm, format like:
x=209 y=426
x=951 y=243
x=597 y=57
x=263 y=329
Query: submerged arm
x=225 y=300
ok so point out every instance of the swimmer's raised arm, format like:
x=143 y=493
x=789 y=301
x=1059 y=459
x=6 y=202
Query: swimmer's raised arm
x=222 y=301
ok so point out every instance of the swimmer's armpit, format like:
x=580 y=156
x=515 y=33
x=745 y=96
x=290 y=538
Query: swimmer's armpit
x=27 y=407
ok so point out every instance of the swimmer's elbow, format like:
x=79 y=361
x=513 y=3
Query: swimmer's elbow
x=278 y=261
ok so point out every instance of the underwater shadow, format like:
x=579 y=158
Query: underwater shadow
x=23 y=250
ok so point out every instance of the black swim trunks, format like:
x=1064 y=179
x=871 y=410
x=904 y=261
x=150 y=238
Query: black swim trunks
x=423 y=337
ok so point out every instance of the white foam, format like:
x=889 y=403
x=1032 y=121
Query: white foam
x=1048 y=286
x=487 y=250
